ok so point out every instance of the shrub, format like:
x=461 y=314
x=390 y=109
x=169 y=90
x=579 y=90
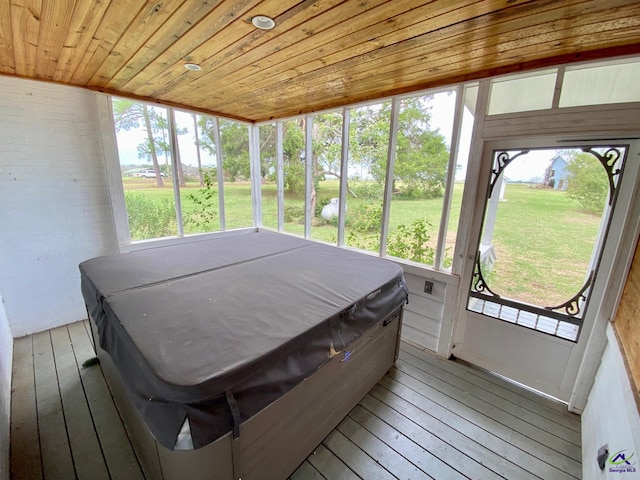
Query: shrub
x=367 y=190
x=149 y=219
x=416 y=191
x=410 y=242
x=294 y=214
x=365 y=218
x=205 y=218
x=369 y=242
x=588 y=182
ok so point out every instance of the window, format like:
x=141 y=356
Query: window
x=603 y=83
x=236 y=168
x=166 y=196
x=293 y=147
x=349 y=161
x=367 y=166
x=147 y=168
x=425 y=126
x=197 y=173
x=522 y=93
x=325 y=164
x=269 y=175
x=540 y=245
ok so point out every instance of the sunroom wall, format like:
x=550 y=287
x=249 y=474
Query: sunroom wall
x=56 y=209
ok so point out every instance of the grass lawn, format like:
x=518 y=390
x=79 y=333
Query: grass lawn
x=543 y=239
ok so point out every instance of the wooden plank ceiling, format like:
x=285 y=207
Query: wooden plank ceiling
x=321 y=54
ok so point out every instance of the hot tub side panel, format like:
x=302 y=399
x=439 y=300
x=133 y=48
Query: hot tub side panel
x=276 y=440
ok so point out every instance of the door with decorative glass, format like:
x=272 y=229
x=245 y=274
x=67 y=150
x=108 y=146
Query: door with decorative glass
x=541 y=250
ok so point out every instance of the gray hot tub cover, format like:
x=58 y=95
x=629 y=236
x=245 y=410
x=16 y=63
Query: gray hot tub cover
x=249 y=314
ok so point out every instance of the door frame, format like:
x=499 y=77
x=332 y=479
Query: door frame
x=555 y=128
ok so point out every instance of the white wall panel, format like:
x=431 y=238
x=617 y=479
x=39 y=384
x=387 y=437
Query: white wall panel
x=6 y=362
x=423 y=315
x=55 y=202
x=610 y=417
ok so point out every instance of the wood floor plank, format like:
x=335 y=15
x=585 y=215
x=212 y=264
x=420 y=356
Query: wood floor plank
x=306 y=471
x=427 y=418
x=555 y=435
x=391 y=460
x=563 y=417
x=546 y=407
x=357 y=460
x=25 y=461
x=85 y=448
x=526 y=436
x=329 y=465
x=500 y=443
x=119 y=455
x=471 y=457
x=57 y=462
x=435 y=457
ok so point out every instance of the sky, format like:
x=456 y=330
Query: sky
x=442 y=109
x=524 y=168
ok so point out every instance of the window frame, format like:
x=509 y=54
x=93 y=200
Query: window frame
x=480 y=114
x=116 y=188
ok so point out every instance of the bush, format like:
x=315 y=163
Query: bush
x=149 y=219
x=588 y=182
x=416 y=191
x=294 y=214
x=206 y=216
x=410 y=242
x=365 y=218
x=369 y=242
x=367 y=190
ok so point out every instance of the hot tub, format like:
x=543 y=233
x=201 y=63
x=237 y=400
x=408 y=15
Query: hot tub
x=233 y=357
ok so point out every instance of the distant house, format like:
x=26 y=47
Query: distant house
x=558 y=176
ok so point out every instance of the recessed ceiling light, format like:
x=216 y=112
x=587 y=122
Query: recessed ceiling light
x=263 y=22
x=194 y=67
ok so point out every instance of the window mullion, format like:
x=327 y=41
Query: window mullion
x=451 y=171
x=308 y=174
x=557 y=91
x=175 y=164
x=344 y=172
x=280 y=174
x=219 y=171
x=254 y=162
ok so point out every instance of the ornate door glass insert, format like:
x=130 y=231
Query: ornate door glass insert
x=546 y=218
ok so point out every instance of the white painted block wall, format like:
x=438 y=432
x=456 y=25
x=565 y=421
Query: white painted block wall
x=6 y=362
x=610 y=417
x=55 y=202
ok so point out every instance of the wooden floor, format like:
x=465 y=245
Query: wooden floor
x=427 y=418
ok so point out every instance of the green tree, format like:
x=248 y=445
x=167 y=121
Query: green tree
x=205 y=218
x=197 y=144
x=588 y=182
x=369 y=139
x=293 y=149
x=234 y=149
x=411 y=242
x=421 y=154
x=128 y=115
